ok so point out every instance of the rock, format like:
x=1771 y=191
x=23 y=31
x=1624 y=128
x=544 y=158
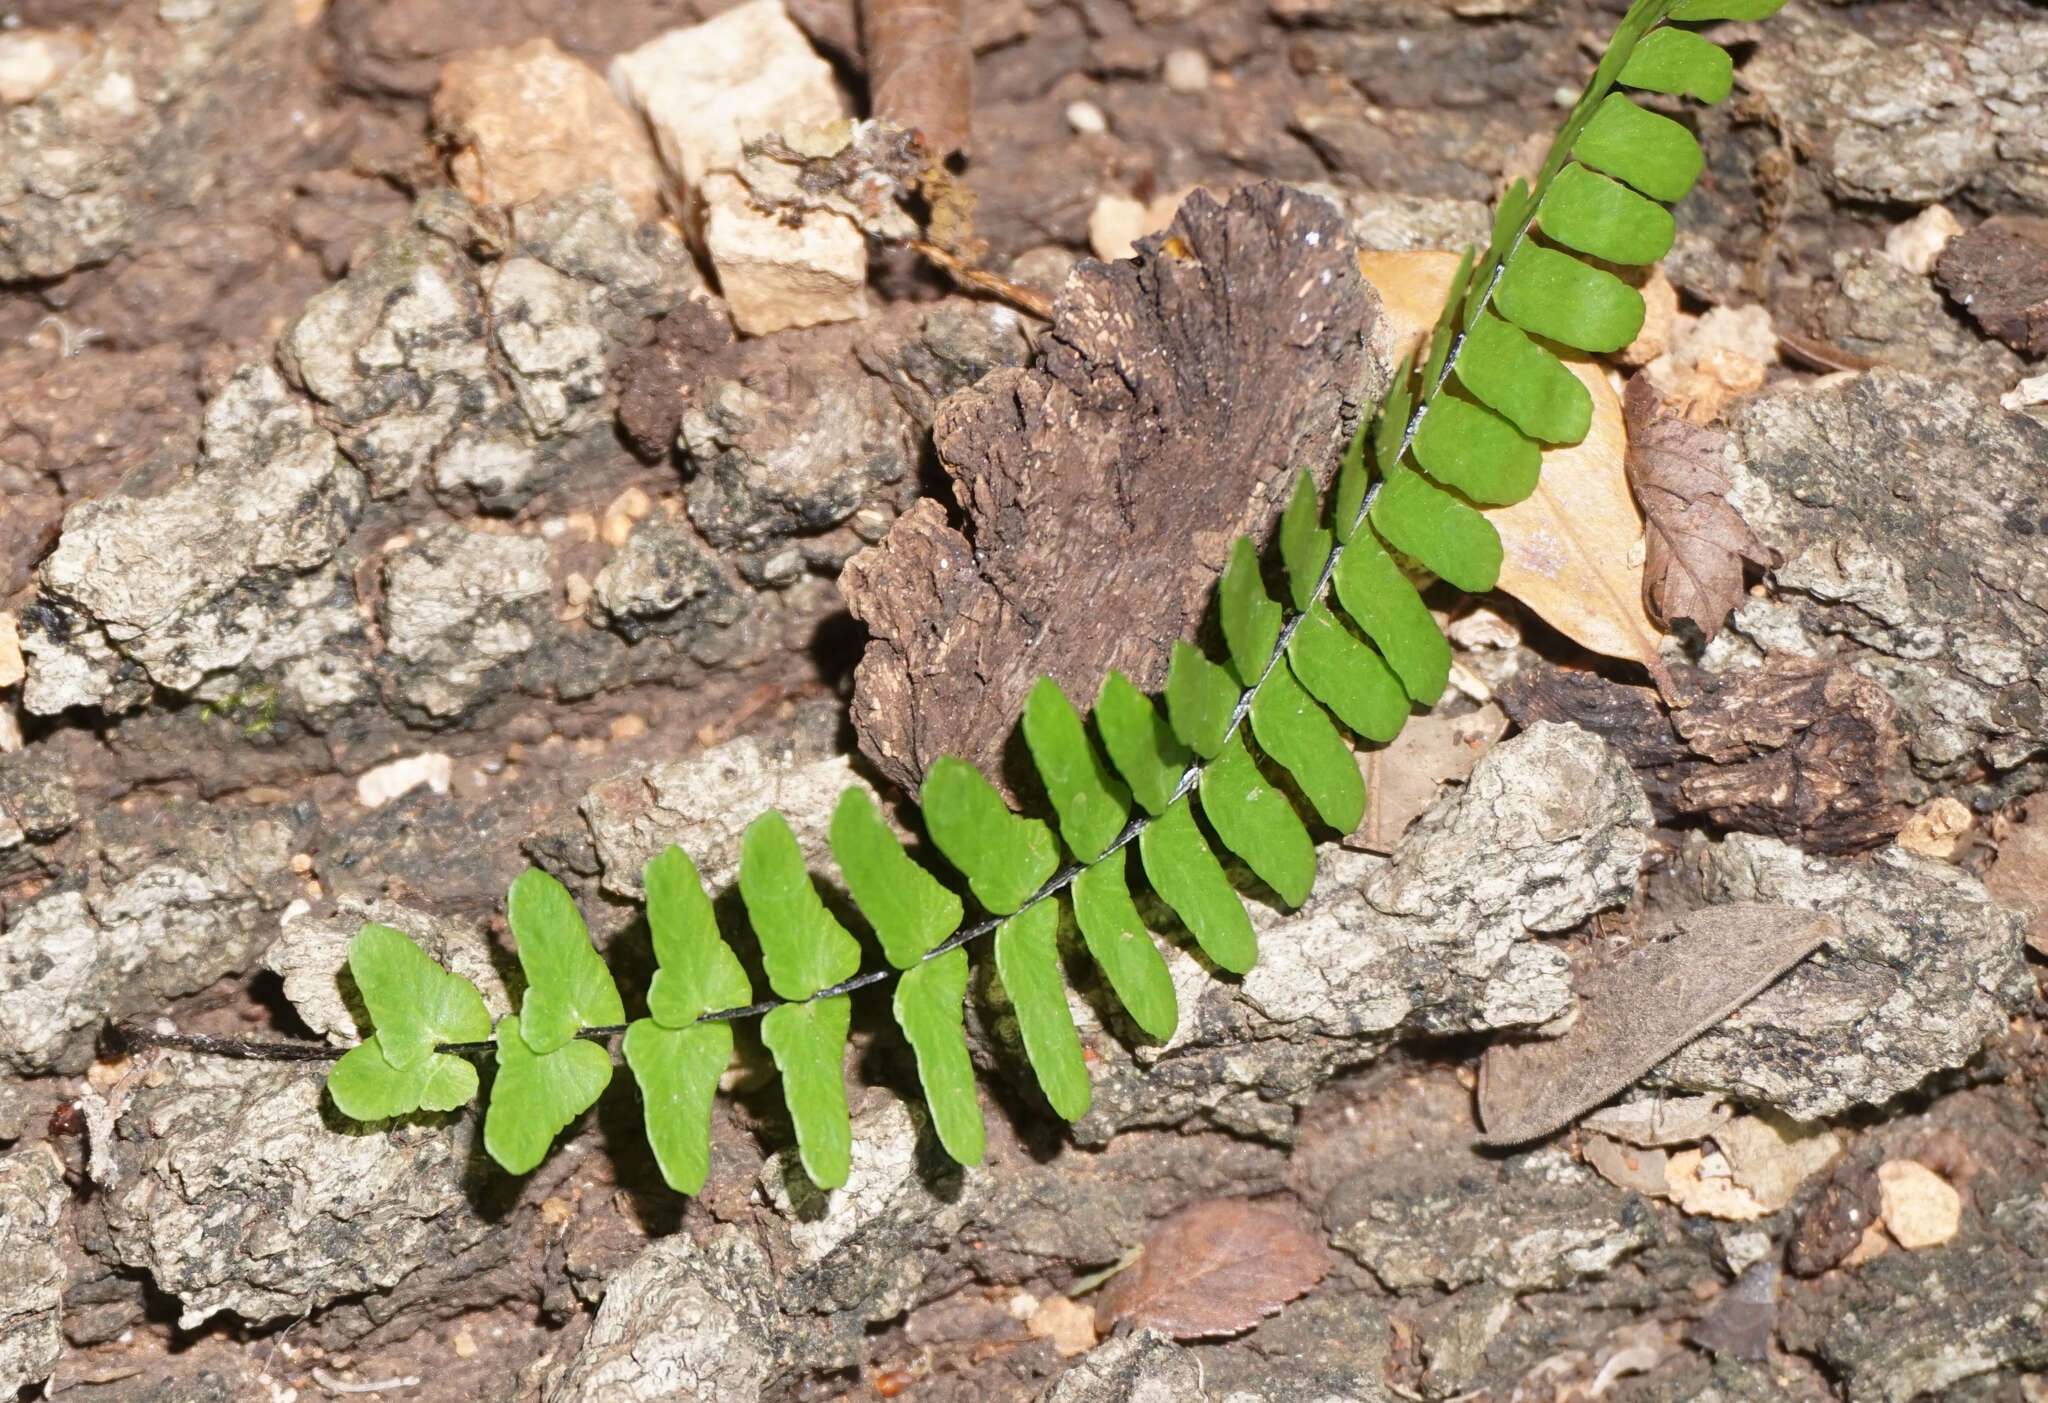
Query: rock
x=1911 y=1324
x=33 y=1195
x=777 y=273
x=12 y=668
x=37 y=797
x=664 y=581
x=532 y=121
x=32 y=60
x=1538 y=1222
x=1920 y=1208
x=235 y=1194
x=1900 y=110
x=380 y=784
x=147 y=925
x=1929 y=969
x=501 y=467
x=311 y=952
x=1876 y=309
x=1938 y=596
x=1998 y=273
x=1916 y=244
x=221 y=570
x=636 y=271
x=1145 y=1367
x=459 y=608
x=554 y=351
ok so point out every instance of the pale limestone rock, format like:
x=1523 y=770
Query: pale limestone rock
x=1915 y=244
x=32 y=1276
x=775 y=275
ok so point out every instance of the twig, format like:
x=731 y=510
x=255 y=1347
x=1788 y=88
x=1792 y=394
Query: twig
x=334 y=1385
x=1028 y=299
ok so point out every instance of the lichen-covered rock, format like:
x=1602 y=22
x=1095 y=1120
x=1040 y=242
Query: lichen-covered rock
x=311 y=951
x=459 y=607
x=1928 y=969
x=1914 y=1324
x=690 y=1322
x=635 y=271
x=1146 y=1367
x=1875 y=308
x=1539 y=1222
x=554 y=351
x=32 y=1275
x=145 y=926
x=663 y=581
x=1898 y=108
x=235 y=1192
x=222 y=570
x=1907 y=511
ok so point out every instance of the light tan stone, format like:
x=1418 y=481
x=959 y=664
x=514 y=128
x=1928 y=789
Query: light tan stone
x=1921 y=1209
x=775 y=275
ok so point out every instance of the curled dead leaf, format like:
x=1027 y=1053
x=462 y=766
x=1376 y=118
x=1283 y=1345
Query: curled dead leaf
x=1215 y=1268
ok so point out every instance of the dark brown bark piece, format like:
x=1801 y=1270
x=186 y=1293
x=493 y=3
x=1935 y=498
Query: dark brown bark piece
x=655 y=379
x=1998 y=273
x=1175 y=398
x=1212 y=1269
x=1694 y=543
x=1638 y=1010
x=1829 y=1228
x=1802 y=750
x=921 y=68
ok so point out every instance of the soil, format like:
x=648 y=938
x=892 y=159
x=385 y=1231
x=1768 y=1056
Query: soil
x=308 y=142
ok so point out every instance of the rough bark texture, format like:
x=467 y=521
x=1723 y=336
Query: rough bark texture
x=1998 y=272
x=1175 y=397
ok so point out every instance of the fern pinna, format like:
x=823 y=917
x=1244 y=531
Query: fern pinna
x=1350 y=646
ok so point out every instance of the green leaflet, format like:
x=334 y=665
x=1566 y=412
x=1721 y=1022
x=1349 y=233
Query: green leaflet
x=1352 y=475
x=1679 y=61
x=1389 y=433
x=1005 y=858
x=1027 y=961
x=1090 y=800
x=1699 y=11
x=803 y=946
x=1140 y=742
x=1123 y=948
x=1201 y=699
x=1605 y=219
x=1187 y=877
x=536 y=1095
x=1430 y=524
x=930 y=1007
x=1475 y=450
x=1653 y=153
x=1302 y=739
x=698 y=972
x=365 y=1086
x=678 y=1070
x=1256 y=822
x=1347 y=676
x=1304 y=543
x=1250 y=618
x=413 y=1003
x=568 y=987
x=1506 y=371
x=808 y=1043
x=1385 y=606
x=910 y=909
x=1554 y=295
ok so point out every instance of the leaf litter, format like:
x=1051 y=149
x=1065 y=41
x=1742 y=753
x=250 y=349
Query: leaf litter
x=1214 y=1268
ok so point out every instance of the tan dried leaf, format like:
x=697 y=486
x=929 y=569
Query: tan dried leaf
x=1214 y=1268
x=1694 y=542
x=1403 y=777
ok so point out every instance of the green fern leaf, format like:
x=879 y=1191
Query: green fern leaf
x=1678 y=61
x=1201 y=699
x=1347 y=676
x=1256 y=822
x=930 y=1007
x=1509 y=373
x=1605 y=219
x=1385 y=606
x=1027 y=961
x=366 y=1086
x=910 y=909
x=1475 y=450
x=413 y=1003
x=1553 y=295
x=1140 y=743
x=568 y=987
x=1123 y=948
x=808 y=1043
x=1429 y=524
x=1353 y=477
x=697 y=971
x=1250 y=618
x=1005 y=858
x=1092 y=803
x=1700 y=11
x=1651 y=152
x=677 y=1070
x=1188 y=878
x=1389 y=432
x=535 y=1095
x=803 y=946
x=1302 y=739
x=1304 y=543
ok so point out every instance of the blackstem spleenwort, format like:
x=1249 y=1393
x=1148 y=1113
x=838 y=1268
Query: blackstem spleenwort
x=1350 y=642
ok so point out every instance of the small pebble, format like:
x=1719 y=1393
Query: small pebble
x=1187 y=71
x=1086 y=119
x=1921 y=1209
x=464 y=1344
x=628 y=727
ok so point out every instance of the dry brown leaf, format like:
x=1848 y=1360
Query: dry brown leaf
x=1639 y=1010
x=1694 y=542
x=1214 y=1268
x=1413 y=287
x=1403 y=777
